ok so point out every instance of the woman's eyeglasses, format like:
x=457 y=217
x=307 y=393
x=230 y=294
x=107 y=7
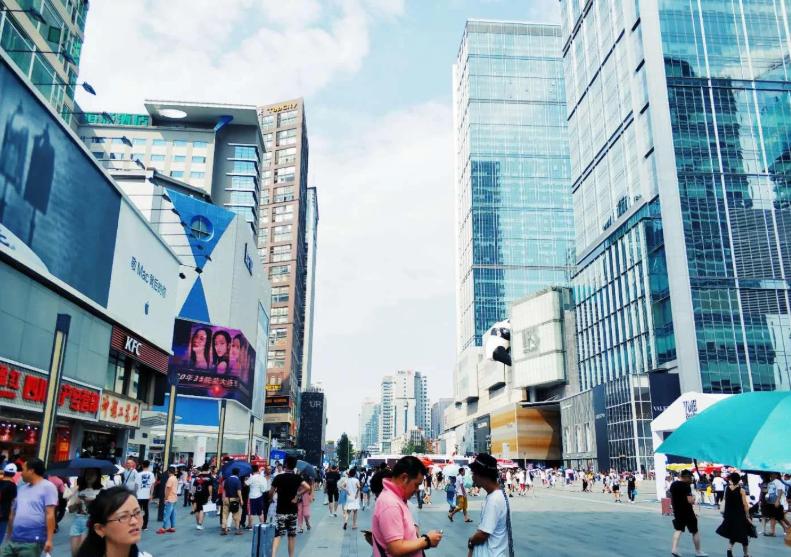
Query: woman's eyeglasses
x=126 y=518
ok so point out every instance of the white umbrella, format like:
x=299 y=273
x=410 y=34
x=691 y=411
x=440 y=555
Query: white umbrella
x=451 y=470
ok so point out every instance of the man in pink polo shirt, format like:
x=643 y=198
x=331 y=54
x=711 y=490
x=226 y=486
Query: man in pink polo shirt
x=395 y=533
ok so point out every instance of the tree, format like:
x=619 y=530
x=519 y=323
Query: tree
x=410 y=448
x=344 y=451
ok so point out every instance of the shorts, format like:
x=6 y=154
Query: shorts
x=616 y=488
x=688 y=521
x=366 y=489
x=79 y=526
x=771 y=511
x=257 y=506
x=286 y=524
x=332 y=494
x=461 y=503
x=199 y=502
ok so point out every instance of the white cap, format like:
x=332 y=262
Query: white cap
x=10 y=468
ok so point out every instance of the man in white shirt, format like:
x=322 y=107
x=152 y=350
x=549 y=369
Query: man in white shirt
x=130 y=478
x=718 y=484
x=461 y=498
x=146 y=478
x=259 y=485
x=493 y=536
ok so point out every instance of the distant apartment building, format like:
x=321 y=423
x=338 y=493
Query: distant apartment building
x=387 y=413
x=437 y=416
x=44 y=40
x=369 y=425
x=311 y=236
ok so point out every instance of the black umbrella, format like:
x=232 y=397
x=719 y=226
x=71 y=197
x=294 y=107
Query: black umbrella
x=306 y=469
x=75 y=466
x=244 y=468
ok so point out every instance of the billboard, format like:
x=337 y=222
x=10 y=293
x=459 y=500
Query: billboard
x=58 y=213
x=212 y=361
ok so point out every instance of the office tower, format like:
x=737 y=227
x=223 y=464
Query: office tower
x=313 y=424
x=215 y=148
x=514 y=225
x=422 y=403
x=44 y=39
x=369 y=424
x=437 y=416
x=311 y=235
x=679 y=126
x=387 y=413
x=283 y=245
x=404 y=415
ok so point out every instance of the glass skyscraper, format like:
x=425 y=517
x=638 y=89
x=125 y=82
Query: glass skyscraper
x=680 y=126
x=514 y=221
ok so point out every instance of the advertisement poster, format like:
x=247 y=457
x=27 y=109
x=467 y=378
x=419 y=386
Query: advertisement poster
x=212 y=361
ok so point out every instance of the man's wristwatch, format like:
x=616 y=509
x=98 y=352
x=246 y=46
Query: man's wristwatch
x=428 y=541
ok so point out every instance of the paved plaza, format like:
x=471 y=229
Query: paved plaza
x=557 y=522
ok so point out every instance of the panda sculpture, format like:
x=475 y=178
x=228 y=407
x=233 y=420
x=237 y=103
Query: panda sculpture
x=497 y=342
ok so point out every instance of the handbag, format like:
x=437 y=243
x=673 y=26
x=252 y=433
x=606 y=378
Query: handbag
x=233 y=506
x=753 y=531
x=209 y=508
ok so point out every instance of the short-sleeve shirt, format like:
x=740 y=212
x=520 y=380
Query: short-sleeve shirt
x=679 y=491
x=287 y=484
x=353 y=488
x=30 y=511
x=146 y=480
x=232 y=486
x=493 y=522
x=718 y=483
x=332 y=480
x=258 y=485
x=392 y=521
x=460 y=486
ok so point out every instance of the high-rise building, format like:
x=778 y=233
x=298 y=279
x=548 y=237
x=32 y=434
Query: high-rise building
x=283 y=245
x=437 y=413
x=679 y=125
x=422 y=402
x=44 y=39
x=369 y=425
x=514 y=222
x=216 y=148
x=311 y=235
x=387 y=413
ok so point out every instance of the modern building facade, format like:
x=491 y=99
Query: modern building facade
x=437 y=416
x=387 y=413
x=514 y=222
x=311 y=235
x=217 y=148
x=679 y=126
x=283 y=245
x=369 y=425
x=44 y=40
x=422 y=402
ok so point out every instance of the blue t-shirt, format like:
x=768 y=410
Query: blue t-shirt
x=30 y=511
x=232 y=486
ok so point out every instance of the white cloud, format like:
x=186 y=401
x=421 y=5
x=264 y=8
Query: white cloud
x=250 y=51
x=385 y=298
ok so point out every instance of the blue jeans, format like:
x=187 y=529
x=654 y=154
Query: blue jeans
x=169 y=517
x=451 y=499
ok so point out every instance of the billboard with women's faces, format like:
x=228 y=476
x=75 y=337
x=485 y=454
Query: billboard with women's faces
x=212 y=361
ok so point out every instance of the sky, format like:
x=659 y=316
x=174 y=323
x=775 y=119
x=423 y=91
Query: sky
x=376 y=78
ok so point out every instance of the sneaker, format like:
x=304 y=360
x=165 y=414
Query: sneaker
x=198 y=527
x=161 y=531
x=701 y=554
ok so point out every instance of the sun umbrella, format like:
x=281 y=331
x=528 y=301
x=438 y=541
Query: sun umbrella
x=306 y=469
x=244 y=468
x=451 y=470
x=75 y=466
x=748 y=431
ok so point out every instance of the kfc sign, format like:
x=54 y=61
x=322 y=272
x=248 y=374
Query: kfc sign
x=27 y=389
x=120 y=411
x=124 y=342
x=132 y=346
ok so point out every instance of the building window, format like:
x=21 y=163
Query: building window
x=284 y=175
x=118 y=141
x=279 y=316
x=268 y=121
x=243 y=183
x=280 y=295
x=279 y=273
x=245 y=167
x=284 y=193
x=276 y=358
x=179 y=158
x=287 y=137
x=197 y=175
x=281 y=233
x=159 y=143
x=287 y=118
x=283 y=213
x=179 y=143
x=157 y=158
x=277 y=335
x=242 y=198
x=268 y=140
x=199 y=144
x=139 y=141
x=201 y=228
x=245 y=152
x=280 y=253
x=286 y=156
x=198 y=160
x=177 y=173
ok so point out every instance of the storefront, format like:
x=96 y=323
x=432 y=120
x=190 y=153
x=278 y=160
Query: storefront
x=23 y=391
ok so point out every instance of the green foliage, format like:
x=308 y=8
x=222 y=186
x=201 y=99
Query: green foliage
x=344 y=451
x=411 y=448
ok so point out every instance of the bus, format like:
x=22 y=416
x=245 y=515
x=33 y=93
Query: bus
x=374 y=461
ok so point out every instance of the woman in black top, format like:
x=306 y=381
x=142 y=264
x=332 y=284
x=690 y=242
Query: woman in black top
x=736 y=525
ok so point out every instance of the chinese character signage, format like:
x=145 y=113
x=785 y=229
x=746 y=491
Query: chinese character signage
x=27 y=389
x=212 y=361
x=121 y=411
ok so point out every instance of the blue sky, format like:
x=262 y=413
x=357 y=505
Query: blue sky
x=376 y=77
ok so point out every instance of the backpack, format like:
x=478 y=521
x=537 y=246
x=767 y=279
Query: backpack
x=450 y=488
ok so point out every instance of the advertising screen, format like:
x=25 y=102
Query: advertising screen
x=58 y=213
x=212 y=361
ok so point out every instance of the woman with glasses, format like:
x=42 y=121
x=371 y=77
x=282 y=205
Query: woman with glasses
x=114 y=522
